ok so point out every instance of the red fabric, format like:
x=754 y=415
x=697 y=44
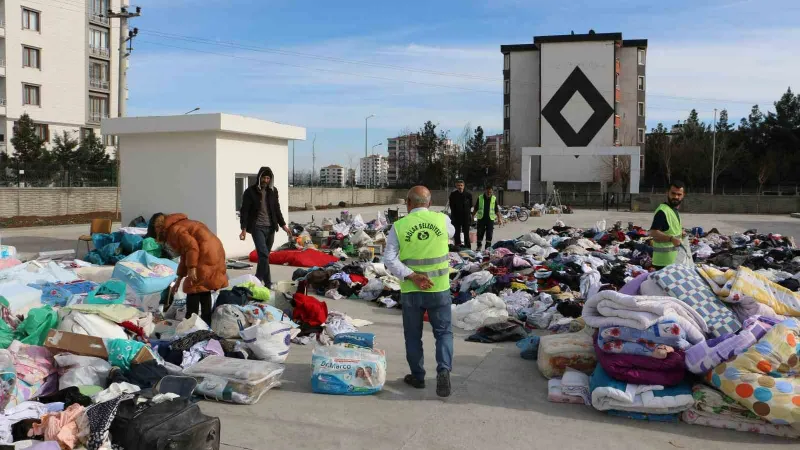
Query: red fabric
x=362 y=280
x=254 y=256
x=302 y=258
x=309 y=310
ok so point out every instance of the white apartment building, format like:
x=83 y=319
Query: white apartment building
x=374 y=171
x=58 y=64
x=403 y=153
x=494 y=144
x=333 y=175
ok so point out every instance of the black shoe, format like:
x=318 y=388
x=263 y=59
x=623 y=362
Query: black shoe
x=414 y=382
x=443 y=383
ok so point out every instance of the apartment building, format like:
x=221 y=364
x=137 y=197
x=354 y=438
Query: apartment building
x=374 y=171
x=333 y=175
x=494 y=144
x=403 y=152
x=58 y=64
x=576 y=90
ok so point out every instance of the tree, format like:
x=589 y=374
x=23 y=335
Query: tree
x=431 y=148
x=480 y=165
x=63 y=154
x=92 y=153
x=28 y=146
x=659 y=144
x=727 y=151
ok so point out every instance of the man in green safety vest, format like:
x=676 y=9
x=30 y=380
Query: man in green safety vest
x=667 y=229
x=417 y=252
x=487 y=211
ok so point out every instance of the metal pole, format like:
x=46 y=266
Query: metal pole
x=714 y=151
x=313 y=167
x=293 y=180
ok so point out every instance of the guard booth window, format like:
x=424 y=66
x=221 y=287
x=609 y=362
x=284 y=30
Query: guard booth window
x=242 y=182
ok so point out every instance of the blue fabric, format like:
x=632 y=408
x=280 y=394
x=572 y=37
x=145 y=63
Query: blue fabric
x=112 y=292
x=122 y=351
x=360 y=339
x=57 y=294
x=100 y=240
x=131 y=243
x=601 y=378
x=438 y=306
x=141 y=284
x=529 y=347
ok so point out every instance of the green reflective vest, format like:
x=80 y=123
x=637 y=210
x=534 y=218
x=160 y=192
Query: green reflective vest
x=664 y=253
x=481 y=206
x=424 y=247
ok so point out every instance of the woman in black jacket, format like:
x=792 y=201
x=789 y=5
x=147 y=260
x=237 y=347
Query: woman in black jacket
x=261 y=216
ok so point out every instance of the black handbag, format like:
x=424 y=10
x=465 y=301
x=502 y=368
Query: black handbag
x=172 y=425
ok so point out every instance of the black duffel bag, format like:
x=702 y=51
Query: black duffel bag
x=173 y=425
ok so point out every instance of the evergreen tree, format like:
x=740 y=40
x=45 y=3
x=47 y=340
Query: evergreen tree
x=28 y=146
x=63 y=154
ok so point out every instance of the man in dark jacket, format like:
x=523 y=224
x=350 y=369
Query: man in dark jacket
x=460 y=202
x=261 y=216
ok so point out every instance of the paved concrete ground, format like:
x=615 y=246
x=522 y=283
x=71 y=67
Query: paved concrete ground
x=499 y=399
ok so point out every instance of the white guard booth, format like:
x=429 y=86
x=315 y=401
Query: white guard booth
x=198 y=165
x=561 y=164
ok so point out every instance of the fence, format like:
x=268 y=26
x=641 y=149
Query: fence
x=52 y=175
x=730 y=190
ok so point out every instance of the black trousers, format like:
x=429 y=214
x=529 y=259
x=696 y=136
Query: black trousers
x=194 y=303
x=263 y=237
x=485 y=226
x=461 y=226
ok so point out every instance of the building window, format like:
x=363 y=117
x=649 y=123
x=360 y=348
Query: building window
x=99 y=7
x=641 y=163
x=507 y=111
x=641 y=83
x=641 y=109
x=30 y=95
x=641 y=56
x=616 y=136
x=507 y=61
x=98 y=38
x=506 y=136
x=98 y=75
x=30 y=19
x=640 y=132
x=98 y=108
x=507 y=87
x=87 y=133
x=31 y=57
x=109 y=140
x=43 y=131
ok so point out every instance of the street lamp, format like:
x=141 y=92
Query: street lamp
x=372 y=172
x=376 y=145
x=366 y=127
x=189 y=112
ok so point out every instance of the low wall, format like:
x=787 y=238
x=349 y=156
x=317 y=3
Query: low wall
x=723 y=204
x=299 y=196
x=46 y=202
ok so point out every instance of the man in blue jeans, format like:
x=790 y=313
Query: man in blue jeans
x=417 y=252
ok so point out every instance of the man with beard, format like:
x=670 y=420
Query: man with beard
x=667 y=229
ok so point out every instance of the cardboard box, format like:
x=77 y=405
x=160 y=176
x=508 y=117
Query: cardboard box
x=79 y=344
x=376 y=249
x=143 y=355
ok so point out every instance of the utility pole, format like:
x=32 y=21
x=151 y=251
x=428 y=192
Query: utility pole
x=124 y=37
x=714 y=151
x=313 y=166
x=366 y=133
x=294 y=183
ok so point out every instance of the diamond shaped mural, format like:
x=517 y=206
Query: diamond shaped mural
x=577 y=82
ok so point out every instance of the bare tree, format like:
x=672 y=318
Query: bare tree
x=766 y=168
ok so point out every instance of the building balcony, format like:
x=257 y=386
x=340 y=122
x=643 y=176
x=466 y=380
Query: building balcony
x=96 y=117
x=2 y=67
x=98 y=83
x=99 y=52
x=2 y=27
x=2 y=107
x=98 y=18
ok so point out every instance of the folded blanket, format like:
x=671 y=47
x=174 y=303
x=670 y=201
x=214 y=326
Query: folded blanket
x=611 y=308
x=608 y=394
x=555 y=393
x=749 y=289
x=667 y=332
x=704 y=356
x=669 y=418
x=643 y=369
x=695 y=417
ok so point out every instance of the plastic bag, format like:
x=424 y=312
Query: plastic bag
x=112 y=292
x=269 y=341
x=360 y=238
x=75 y=370
x=241 y=381
x=259 y=292
x=100 y=240
x=152 y=247
x=190 y=325
x=600 y=226
x=340 y=370
x=33 y=330
x=8 y=377
x=225 y=321
x=130 y=243
x=366 y=340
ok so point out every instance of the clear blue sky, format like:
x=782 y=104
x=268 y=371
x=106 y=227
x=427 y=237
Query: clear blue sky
x=291 y=61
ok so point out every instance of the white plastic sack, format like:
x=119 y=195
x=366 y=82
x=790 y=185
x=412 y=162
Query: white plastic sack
x=379 y=238
x=341 y=228
x=600 y=226
x=241 y=381
x=268 y=341
x=484 y=309
x=248 y=278
x=179 y=294
x=360 y=238
x=190 y=325
x=225 y=321
x=75 y=370
x=358 y=222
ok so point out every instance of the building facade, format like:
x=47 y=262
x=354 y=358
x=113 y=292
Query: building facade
x=333 y=175
x=374 y=171
x=404 y=153
x=577 y=90
x=58 y=64
x=494 y=144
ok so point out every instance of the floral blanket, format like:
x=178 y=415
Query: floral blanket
x=749 y=289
